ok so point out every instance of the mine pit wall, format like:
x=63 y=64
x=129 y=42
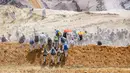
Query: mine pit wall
x=79 y=56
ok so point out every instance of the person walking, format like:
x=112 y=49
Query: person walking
x=22 y=39
x=3 y=39
x=17 y=34
x=49 y=43
x=42 y=40
x=53 y=53
x=45 y=53
x=63 y=40
x=59 y=52
x=36 y=40
x=56 y=42
x=30 y=12
x=31 y=42
x=43 y=13
x=66 y=47
x=9 y=35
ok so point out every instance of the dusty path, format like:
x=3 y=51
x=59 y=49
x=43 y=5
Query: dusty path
x=37 y=69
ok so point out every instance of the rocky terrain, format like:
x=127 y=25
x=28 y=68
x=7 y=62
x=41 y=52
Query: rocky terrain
x=75 y=5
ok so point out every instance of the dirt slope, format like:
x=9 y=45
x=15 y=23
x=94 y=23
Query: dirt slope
x=99 y=56
x=88 y=56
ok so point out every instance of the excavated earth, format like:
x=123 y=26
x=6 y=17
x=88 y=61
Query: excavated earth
x=18 y=58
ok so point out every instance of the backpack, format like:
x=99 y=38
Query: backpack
x=99 y=43
x=22 y=39
x=31 y=42
x=65 y=47
x=58 y=53
x=36 y=39
x=64 y=35
x=56 y=38
x=45 y=52
x=49 y=40
x=62 y=40
x=59 y=33
x=4 y=39
x=53 y=52
x=41 y=39
x=80 y=37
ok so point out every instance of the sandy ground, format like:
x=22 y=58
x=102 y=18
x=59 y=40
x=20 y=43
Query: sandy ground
x=38 y=69
x=60 y=20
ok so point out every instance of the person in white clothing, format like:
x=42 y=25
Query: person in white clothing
x=42 y=39
x=43 y=13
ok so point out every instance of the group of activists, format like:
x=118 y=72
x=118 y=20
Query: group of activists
x=50 y=46
x=58 y=45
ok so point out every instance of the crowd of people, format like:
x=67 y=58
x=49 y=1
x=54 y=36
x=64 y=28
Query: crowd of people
x=54 y=47
x=49 y=46
x=63 y=40
x=110 y=37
